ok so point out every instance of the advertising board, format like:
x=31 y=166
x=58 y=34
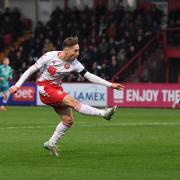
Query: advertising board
x=88 y=93
x=26 y=95
x=144 y=95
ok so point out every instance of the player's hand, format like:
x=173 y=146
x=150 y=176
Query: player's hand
x=117 y=86
x=13 y=89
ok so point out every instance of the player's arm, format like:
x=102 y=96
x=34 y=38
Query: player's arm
x=39 y=64
x=96 y=79
x=23 y=78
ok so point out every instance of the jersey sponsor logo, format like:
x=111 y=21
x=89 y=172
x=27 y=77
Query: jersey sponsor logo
x=66 y=66
x=25 y=94
x=52 y=70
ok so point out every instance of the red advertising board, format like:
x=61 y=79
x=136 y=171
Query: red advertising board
x=144 y=95
x=24 y=94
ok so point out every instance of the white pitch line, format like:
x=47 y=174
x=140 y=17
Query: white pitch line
x=25 y=127
x=95 y=125
x=133 y=124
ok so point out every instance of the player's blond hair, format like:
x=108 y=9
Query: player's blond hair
x=69 y=42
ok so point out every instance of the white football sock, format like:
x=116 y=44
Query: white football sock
x=86 y=109
x=58 y=133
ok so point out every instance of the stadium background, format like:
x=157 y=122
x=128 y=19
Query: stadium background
x=130 y=44
x=137 y=46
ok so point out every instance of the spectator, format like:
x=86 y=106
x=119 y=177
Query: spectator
x=108 y=39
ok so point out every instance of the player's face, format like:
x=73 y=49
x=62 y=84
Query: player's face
x=6 y=62
x=72 y=52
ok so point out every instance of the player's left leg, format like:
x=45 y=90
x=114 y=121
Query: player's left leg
x=5 y=100
x=5 y=95
x=62 y=127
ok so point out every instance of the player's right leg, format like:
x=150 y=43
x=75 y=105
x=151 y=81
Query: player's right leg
x=58 y=96
x=86 y=109
x=62 y=127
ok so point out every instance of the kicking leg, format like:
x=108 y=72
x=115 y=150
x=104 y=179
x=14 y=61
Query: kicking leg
x=62 y=127
x=86 y=109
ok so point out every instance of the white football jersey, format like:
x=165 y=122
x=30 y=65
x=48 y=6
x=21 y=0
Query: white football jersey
x=53 y=68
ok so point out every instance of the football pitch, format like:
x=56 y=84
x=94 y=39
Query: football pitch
x=138 y=144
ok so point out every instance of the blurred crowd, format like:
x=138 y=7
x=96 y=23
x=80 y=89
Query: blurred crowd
x=12 y=24
x=173 y=41
x=174 y=19
x=174 y=22
x=108 y=39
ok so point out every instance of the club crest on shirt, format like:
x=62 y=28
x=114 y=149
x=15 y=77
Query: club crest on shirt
x=52 y=70
x=66 y=66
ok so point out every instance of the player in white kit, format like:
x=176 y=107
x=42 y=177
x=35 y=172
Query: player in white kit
x=176 y=103
x=53 y=66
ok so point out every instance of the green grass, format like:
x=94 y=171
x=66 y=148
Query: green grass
x=138 y=144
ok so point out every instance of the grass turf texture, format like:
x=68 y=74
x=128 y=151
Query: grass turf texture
x=138 y=144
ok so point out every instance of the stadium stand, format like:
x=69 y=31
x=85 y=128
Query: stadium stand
x=12 y=25
x=107 y=38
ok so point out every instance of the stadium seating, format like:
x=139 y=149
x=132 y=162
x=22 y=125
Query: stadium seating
x=107 y=39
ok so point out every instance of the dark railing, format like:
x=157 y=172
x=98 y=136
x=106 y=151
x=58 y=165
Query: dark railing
x=171 y=37
x=135 y=64
x=171 y=44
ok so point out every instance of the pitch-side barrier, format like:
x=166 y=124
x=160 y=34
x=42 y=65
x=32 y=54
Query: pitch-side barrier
x=133 y=95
